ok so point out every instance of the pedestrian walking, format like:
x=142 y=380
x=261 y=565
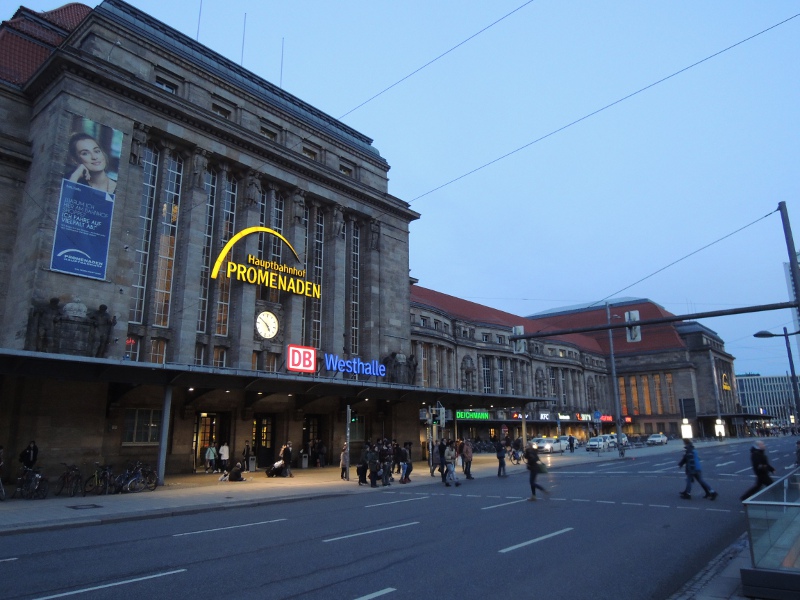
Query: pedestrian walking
x=442 y=464
x=500 y=448
x=450 y=456
x=224 y=455
x=211 y=458
x=344 y=462
x=466 y=457
x=535 y=465
x=286 y=455
x=761 y=468
x=246 y=453
x=571 y=442
x=694 y=472
x=409 y=463
x=30 y=455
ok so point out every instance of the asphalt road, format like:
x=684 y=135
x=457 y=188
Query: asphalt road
x=611 y=530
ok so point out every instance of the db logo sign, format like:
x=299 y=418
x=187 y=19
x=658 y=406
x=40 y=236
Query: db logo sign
x=302 y=359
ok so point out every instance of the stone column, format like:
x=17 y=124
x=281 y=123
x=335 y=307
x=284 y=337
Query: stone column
x=295 y=232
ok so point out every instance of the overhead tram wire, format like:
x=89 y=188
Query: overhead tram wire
x=430 y=62
x=607 y=106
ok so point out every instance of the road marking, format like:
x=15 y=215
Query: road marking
x=631 y=503
x=659 y=471
x=659 y=505
x=662 y=464
x=108 y=585
x=617 y=473
x=687 y=508
x=377 y=594
x=606 y=502
x=539 y=539
x=224 y=528
x=580 y=500
x=725 y=510
x=743 y=470
x=344 y=537
x=7 y=559
x=504 y=504
x=396 y=502
x=730 y=462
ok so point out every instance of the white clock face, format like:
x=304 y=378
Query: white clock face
x=267 y=325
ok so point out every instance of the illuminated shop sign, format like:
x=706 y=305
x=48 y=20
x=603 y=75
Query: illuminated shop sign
x=564 y=417
x=270 y=274
x=473 y=415
x=301 y=359
x=583 y=417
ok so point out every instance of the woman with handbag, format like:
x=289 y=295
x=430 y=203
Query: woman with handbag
x=535 y=466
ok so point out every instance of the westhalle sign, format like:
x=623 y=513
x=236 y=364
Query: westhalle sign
x=267 y=273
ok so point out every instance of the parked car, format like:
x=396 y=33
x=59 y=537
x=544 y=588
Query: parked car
x=613 y=440
x=550 y=445
x=656 y=439
x=597 y=443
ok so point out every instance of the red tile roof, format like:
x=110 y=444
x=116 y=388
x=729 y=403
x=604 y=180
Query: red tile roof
x=477 y=313
x=25 y=43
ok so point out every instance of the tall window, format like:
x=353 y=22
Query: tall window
x=316 y=277
x=220 y=356
x=158 y=351
x=425 y=365
x=150 y=160
x=199 y=354
x=648 y=408
x=551 y=373
x=673 y=407
x=623 y=395
x=659 y=397
x=564 y=387
x=512 y=376
x=355 y=285
x=142 y=426
x=168 y=230
x=210 y=178
x=276 y=223
x=501 y=376
x=486 y=367
x=228 y=226
x=634 y=395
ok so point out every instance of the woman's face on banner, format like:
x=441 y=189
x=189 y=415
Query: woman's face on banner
x=91 y=155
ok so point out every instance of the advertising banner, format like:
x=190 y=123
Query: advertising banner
x=86 y=204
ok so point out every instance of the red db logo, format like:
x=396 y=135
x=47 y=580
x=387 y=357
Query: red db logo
x=302 y=359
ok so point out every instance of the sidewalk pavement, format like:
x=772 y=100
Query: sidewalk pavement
x=190 y=494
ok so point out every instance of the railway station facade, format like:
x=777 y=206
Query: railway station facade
x=192 y=255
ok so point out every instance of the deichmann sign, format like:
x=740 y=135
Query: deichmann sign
x=474 y=416
x=267 y=273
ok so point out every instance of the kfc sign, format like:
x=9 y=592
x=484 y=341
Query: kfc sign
x=301 y=359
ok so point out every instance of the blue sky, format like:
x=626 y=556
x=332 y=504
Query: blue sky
x=586 y=212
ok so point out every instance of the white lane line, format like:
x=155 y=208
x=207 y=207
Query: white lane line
x=580 y=500
x=225 y=528
x=659 y=505
x=396 y=502
x=662 y=464
x=344 y=537
x=744 y=470
x=504 y=504
x=631 y=503
x=617 y=473
x=377 y=594
x=730 y=462
x=606 y=502
x=659 y=471
x=687 y=508
x=725 y=510
x=108 y=585
x=539 y=539
x=7 y=559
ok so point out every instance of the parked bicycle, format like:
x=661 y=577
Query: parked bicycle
x=31 y=484
x=70 y=480
x=100 y=481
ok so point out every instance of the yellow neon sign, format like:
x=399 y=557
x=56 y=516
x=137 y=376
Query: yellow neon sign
x=240 y=235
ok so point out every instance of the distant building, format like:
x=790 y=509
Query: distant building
x=768 y=396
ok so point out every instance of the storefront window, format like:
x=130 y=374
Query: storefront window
x=142 y=426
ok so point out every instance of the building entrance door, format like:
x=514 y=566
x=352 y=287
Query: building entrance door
x=264 y=440
x=209 y=428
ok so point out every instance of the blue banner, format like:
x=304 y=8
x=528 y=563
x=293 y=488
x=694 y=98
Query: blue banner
x=82 y=236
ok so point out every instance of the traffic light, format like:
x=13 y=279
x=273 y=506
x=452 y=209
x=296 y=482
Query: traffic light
x=353 y=416
x=435 y=416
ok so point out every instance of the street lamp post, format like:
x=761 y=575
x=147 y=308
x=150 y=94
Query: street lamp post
x=786 y=334
x=617 y=407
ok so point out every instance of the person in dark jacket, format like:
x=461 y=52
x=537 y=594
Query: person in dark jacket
x=442 y=465
x=761 y=468
x=532 y=459
x=500 y=448
x=30 y=455
x=286 y=455
x=236 y=473
x=691 y=464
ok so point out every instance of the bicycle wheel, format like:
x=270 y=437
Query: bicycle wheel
x=151 y=480
x=60 y=483
x=90 y=485
x=75 y=485
x=41 y=490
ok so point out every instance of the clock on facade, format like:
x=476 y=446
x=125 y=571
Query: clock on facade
x=267 y=325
